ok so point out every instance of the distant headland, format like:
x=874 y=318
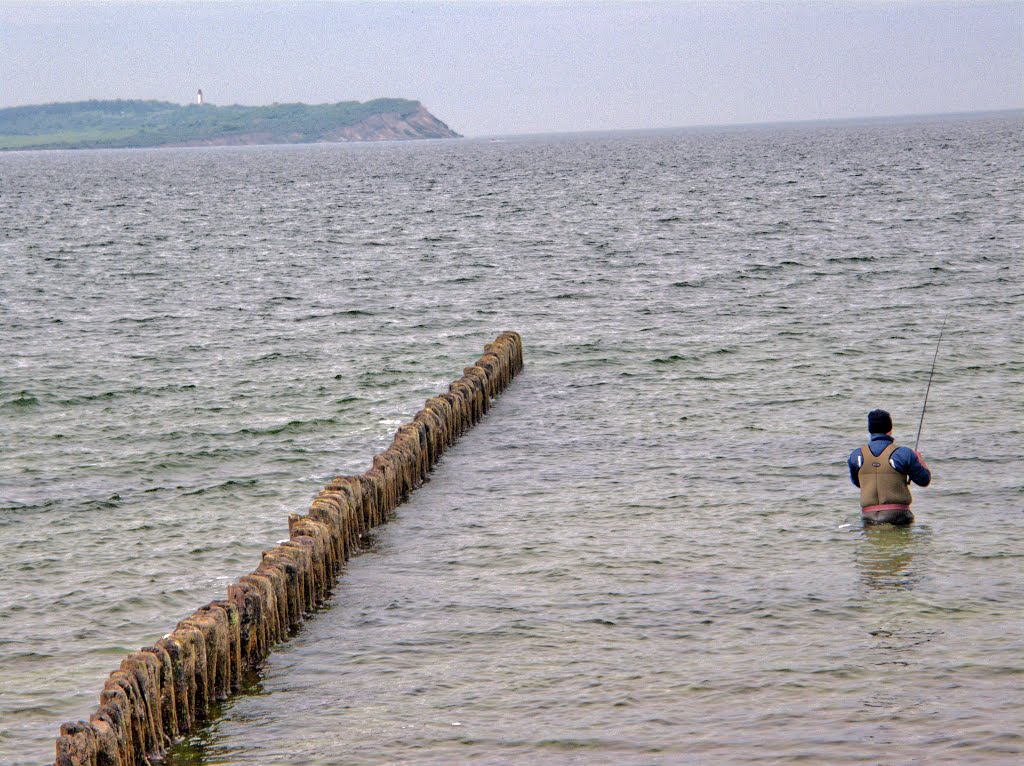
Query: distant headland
x=120 y=124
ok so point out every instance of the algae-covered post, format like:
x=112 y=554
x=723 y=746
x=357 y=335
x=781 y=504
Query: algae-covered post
x=163 y=692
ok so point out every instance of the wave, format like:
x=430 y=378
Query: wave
x=223 y=486
x=292 y=426
x=21 y=400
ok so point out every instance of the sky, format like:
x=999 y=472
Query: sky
x=494 y=67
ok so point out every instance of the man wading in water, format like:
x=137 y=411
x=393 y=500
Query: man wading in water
x=884 y=471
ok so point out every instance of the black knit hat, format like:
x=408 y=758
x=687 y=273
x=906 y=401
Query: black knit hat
x=879 y=422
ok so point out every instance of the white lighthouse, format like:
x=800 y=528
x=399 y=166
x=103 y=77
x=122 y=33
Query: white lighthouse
x=199 y=97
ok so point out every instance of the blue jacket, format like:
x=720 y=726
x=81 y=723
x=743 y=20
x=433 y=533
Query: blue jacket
x=903 y=459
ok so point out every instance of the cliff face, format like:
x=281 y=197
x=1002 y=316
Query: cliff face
x=117 y=124
x=393 y=126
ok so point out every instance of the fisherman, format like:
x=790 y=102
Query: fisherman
x=884 y=471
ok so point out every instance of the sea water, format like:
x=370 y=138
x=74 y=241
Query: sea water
x=649 y=552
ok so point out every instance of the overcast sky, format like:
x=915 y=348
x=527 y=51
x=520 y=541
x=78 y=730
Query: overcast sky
x=489 y=67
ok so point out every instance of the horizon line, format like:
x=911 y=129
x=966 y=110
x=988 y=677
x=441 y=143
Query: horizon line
x=907 y=116
x=693 y=126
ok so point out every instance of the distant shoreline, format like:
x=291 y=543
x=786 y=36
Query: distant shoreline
x=121 y=124
x=397 y=124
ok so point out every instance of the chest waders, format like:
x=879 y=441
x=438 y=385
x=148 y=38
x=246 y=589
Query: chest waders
x=884 y=494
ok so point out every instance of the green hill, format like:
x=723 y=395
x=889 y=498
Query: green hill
x=111 y=124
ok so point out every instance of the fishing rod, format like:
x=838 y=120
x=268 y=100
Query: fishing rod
x=930 y=376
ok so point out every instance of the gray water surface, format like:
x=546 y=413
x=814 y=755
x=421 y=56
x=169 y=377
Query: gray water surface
x=648 y=552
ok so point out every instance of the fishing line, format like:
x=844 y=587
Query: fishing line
x=930 y=376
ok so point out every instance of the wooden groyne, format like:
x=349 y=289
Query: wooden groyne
x=162 y=692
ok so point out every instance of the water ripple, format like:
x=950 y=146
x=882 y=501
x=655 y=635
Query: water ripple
x=648 y=552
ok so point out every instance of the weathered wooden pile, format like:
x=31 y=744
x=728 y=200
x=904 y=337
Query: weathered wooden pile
x=164 y=691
